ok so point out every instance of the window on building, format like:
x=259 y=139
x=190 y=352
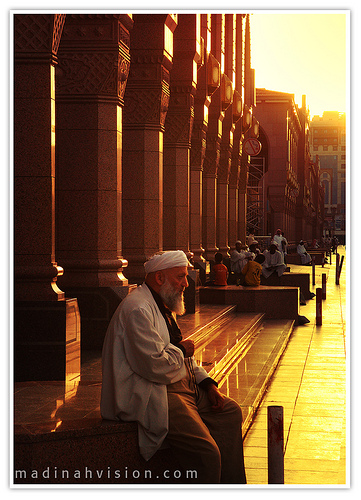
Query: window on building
x=334 y=148
x=343 y=157
x=343 y=165
x=315 y=148
x=325 y=148
x=343 y=148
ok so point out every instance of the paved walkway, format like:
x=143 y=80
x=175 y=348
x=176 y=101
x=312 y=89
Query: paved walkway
x=310 y=383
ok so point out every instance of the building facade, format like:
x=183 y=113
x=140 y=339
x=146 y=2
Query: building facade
x=128 y=133
x=328 y=144
x=284 y=185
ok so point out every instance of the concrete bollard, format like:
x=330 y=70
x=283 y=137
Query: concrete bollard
x=340 y=267
x=313 y=271
x=275 y=445
x=318 y=306
x=323 y=286
x=337 y=268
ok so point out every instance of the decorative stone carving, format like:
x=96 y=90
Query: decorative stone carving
x=38 y=32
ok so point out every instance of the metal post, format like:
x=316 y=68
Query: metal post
x=330 y=257
x=337 y=268
x=318 y=306
x=341 y=262
x=323 y=286
x=313 y=271
x=275 y=445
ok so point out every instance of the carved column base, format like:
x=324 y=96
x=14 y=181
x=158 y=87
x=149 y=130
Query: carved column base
x=38 y=283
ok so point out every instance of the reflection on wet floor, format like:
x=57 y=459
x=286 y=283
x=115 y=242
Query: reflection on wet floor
x=310 y=384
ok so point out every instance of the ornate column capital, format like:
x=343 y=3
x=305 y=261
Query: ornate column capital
x=95 y=58
x=37 y=35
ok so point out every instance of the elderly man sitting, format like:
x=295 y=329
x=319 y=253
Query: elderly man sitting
x=150 y=376
x=273 y=262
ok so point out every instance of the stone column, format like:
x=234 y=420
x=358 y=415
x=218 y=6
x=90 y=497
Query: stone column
x=198 y=147
x=35 y=50
x=46 y=325
x=233 y=193
x=224 y=166
x=242 y=199
x=178 y=133
x=146 y=106
x=210 y=170
x=93 y=69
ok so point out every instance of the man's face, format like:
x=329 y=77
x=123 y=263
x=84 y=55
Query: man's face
x=272 y=249
x=238 y=247
x=173 y=288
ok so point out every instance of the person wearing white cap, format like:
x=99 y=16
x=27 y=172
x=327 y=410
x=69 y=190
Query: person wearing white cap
x=239 y=258
x=150 y=376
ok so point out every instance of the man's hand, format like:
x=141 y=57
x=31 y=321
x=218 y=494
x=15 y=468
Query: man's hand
x=215 y=397
x=188 y=346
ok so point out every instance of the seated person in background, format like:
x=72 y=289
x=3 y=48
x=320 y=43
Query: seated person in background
x=254 y=249
x=220 y=271
x=277 y=240
x=273 y=262
x=239 y=258
x=284 y=244
x=251 y=239
x=302 y=252
x=252 y=271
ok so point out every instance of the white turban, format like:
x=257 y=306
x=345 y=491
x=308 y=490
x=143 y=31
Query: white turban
x=166 y=260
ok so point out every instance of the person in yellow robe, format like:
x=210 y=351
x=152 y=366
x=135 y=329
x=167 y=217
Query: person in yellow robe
x=252 y=271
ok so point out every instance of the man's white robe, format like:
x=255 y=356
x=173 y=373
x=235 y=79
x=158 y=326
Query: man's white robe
x=138 y=362
x=239 y=260
x=272 y=261
x=302 y=252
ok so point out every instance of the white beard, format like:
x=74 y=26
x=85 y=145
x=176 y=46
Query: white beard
x=173 y=299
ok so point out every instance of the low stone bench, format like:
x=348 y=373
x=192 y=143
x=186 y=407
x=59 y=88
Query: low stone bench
x=277 y=302
x=75 y=456
x=295 y=258
x=301 y=280
x=69 y=446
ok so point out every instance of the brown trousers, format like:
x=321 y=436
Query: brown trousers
x=203 y=440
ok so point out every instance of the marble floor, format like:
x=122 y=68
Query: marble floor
x=311 y=385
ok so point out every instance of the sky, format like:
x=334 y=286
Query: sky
x=303 y=53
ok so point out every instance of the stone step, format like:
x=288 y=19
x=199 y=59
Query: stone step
x=238 y=350
x=247 y=373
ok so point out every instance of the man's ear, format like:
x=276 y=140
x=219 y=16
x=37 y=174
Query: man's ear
x=159 y=277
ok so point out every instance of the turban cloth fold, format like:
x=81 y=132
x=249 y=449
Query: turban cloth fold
x=166 y=260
